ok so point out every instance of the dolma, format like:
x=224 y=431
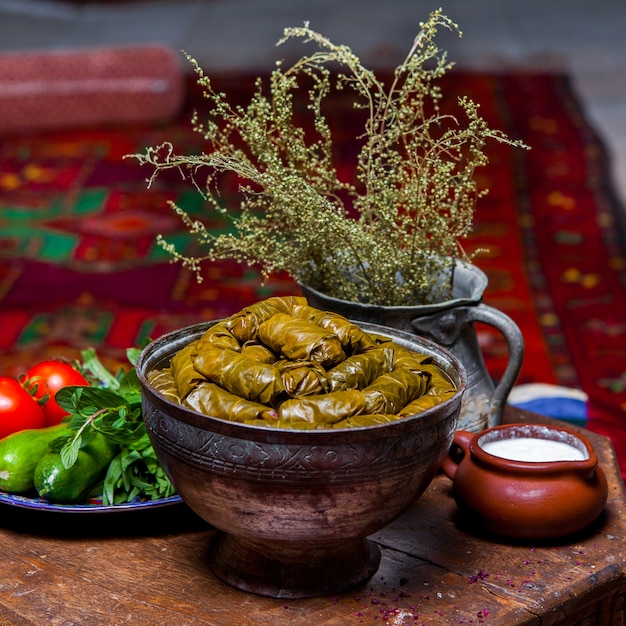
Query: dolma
x=219 y=337
x=321 y=410
x=299 y=339
x=244 y=325
x=183 y=370
x=259 y=382
x=165 y=383
x=440 y=384
x=418 y=362
x=211 y=399
x=426 y=401
x=360 y=370
x=302 y=378
x=405 y=358
x=392 y=391
x=359 y=421
x=353 y=338
x=258 y=352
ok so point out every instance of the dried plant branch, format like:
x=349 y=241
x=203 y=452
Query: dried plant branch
x=385 y=238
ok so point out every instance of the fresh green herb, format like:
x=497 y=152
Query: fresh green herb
x=97 y=373
x=112 y=406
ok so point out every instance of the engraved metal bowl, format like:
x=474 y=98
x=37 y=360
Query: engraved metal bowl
x=293 y=508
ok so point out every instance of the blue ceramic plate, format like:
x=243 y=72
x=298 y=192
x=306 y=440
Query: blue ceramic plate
x=92 y=506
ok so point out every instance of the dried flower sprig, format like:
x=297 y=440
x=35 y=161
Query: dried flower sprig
x=385 y=238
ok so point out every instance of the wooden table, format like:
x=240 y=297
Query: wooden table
x=149 y=567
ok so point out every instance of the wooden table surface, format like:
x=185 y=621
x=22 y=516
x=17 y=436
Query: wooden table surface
x=149 y=567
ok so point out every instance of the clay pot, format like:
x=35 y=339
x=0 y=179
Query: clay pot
x=294 y=508
x=525 y=499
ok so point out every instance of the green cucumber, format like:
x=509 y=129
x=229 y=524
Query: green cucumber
x=19 y=455
x=61 y=485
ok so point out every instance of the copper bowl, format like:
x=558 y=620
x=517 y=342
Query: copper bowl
x=294 y=508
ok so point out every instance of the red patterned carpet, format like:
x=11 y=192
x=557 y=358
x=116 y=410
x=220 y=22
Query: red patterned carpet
x=79 y=266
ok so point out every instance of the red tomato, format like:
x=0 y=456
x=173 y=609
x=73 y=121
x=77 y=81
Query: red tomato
x=18 y=409
x=46 y=378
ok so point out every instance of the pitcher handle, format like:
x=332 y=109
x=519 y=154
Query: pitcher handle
x=515 y=344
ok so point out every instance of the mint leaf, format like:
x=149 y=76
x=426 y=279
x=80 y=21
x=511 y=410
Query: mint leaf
x=69 y=452
x=130 y=386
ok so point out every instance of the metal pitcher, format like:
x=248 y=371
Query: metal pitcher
x=452 y=324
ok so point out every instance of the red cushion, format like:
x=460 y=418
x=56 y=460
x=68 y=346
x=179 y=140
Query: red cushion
x=52 y=90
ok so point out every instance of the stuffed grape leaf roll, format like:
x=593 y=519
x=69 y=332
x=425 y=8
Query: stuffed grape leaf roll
x=219 y=337
x=426 y=401
x=392 y=391
x=359 y=421
x=360 y=370
x=183 y=370
x=404 y=358
x=299 y=339
x=321 y=410
x=302 y=378
x=258 y=352
x=259 y=382
x=244 y=325
x=165 y=383
x=211 y=399
x=352 y=337
x=440 y=384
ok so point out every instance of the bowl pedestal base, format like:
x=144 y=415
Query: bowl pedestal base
x=284 y=570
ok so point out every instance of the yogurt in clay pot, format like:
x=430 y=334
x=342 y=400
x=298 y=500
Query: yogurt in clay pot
x=526 y=481
x=533 y=450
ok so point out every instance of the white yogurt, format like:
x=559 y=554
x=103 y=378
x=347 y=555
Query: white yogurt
x=533 y=449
